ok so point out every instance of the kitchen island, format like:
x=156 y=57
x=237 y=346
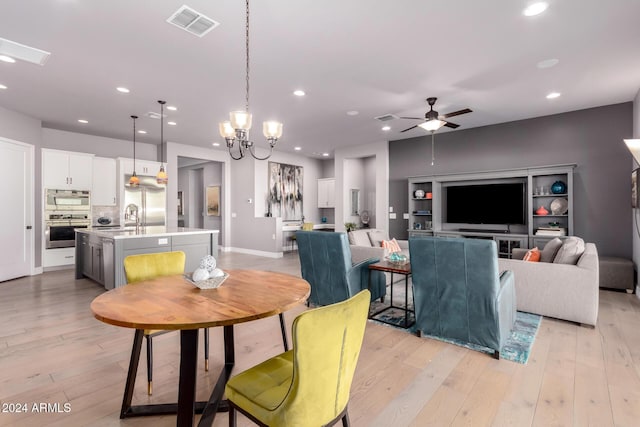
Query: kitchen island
x=100 y=252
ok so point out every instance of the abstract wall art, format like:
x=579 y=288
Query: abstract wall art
x=285 y=191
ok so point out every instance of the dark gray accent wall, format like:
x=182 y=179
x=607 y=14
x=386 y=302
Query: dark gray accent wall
x=591 y=138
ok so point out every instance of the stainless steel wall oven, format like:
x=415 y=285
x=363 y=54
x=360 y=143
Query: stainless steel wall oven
x=65 y=210
x=60 y=228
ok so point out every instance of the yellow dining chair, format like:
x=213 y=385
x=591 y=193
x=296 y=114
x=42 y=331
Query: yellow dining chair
x=306 y=226
x=310 y=384
x=149 y=266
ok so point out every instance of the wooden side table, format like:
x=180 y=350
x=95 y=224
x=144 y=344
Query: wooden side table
x=404 y=269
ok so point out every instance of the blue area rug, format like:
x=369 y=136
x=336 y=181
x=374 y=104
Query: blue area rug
x=516 y=349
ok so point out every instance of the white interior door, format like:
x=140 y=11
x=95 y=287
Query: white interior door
x=16 y=217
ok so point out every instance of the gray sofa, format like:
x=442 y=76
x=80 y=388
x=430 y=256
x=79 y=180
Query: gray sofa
x=563 y=291
x=365 y=244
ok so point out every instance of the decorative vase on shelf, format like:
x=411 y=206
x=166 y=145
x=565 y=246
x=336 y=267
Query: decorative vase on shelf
x=542 y=211
x=559 y=187
x=418 y=194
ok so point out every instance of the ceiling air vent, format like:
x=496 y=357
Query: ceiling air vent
x=192 y=21
x=23 y=52
x=386 y=117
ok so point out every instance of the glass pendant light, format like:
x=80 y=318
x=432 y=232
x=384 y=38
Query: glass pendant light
x=134 y=181
x=161 y=177
x=236 y=129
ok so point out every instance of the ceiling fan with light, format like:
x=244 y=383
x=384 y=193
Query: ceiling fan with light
x=433 y=121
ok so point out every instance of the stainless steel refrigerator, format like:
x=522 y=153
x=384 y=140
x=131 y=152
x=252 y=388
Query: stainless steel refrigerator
x=150 y=198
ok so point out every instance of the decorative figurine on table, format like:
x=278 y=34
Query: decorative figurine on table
x=397 y=258
x=207 y=276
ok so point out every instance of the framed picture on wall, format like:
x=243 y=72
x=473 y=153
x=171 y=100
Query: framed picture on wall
x=213 y=200
x=635 y=197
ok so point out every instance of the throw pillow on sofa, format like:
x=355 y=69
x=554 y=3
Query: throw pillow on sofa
x=359 y=238
x=550 y=250
x=532 y=255
x=391 y=245
x=570 y=251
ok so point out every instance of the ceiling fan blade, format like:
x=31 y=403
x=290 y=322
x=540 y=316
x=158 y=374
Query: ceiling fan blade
x=457 y=113
x=413 y=118
x=412 y=127
x=451 y=125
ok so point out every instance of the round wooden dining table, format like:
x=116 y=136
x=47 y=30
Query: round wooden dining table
x=174 y=303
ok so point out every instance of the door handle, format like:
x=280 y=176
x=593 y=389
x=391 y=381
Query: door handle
x=29 y=227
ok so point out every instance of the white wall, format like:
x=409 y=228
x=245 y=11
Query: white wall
x=98 y=145
x=378 y=150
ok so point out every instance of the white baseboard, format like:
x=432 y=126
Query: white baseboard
x=37 y=270
x=254 y=252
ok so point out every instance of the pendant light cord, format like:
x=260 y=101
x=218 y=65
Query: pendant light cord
x=247 y=59
x=134 y=143
x=161 y=131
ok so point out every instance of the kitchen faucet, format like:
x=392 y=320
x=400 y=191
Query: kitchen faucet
x=130 y=212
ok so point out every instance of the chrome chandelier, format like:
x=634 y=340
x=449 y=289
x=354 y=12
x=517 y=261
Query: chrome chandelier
x=237 y=128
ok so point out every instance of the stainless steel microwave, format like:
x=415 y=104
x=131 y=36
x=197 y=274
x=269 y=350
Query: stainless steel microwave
x=67 y=200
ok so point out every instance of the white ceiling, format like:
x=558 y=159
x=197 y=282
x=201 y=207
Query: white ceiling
x=373 y=56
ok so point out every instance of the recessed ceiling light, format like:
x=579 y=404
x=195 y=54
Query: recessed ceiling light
x=123 y=90
x=216 y=144
x=548 y=63
x=142 y=131
x=297 y=148
x=325 y=154
x=386 y=128
x=171 y=123
x=5 y=58
x=3 y=87
x=172 y=108
x=299 y=92
x=352 y=113
x=553 y=95
x=535 y=9
x=83 y=121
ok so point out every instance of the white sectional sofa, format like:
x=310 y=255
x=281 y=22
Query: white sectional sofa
x=563 y=291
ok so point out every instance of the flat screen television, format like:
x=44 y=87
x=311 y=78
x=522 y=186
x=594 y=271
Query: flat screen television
x=487 y=204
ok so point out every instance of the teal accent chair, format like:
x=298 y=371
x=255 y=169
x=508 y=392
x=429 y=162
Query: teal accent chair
x=459 y=292
x=325 y=261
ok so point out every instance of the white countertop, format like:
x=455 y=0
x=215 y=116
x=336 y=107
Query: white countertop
x=320 y=226
x=324 y=226
x=130 y=232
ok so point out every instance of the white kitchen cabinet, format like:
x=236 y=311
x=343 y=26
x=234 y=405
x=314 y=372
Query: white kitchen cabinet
x=143 y=167
x=105 y=180
x=326 y=193
x=67 y=170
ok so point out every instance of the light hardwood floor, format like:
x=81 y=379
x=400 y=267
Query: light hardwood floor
x=53 y=350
